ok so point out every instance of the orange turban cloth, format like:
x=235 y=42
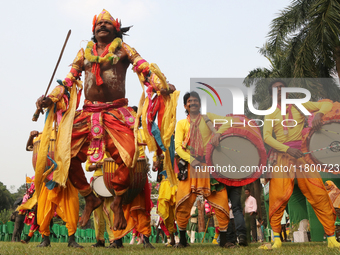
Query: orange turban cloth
x=105 y=15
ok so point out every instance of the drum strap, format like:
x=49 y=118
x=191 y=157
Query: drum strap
x=209 y=124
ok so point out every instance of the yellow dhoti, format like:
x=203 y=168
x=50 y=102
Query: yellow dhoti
x=166 y=204
x=64 y=201
x=187 y=193
x=311 y=185
x=101 y=215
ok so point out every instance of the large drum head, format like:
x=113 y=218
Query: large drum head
x=326 y=137
x=99 y=187
x=238 y=156
x=239 y=159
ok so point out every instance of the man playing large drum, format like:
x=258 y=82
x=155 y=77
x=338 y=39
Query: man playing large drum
x=103 y=215
x=105 y=123
x=287 y=147
x=193 y=132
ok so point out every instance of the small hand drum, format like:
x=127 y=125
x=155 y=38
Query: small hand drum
x=99 y=187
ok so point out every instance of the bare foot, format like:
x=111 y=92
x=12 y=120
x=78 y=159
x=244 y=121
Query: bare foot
x=92 y=202
x=119 y=221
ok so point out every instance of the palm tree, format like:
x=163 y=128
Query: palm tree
x=303 y=42
x=308 y=31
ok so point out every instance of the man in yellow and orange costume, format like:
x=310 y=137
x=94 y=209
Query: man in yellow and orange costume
x=53 y=199
x=191 y=137
x=106 y=123
x=287 y=152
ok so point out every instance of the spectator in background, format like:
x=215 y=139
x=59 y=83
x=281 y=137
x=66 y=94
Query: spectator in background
x=250 y=210
x=283 y=227
x=159 y=230
x=259 y=224
x=231 y=231
x=193 y=223
x=234 y=194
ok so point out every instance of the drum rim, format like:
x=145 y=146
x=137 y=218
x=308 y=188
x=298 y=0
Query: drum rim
x=310 y=158
x=92 y=183
x=260 y=149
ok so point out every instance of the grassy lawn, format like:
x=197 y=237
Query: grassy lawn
x=61 y=248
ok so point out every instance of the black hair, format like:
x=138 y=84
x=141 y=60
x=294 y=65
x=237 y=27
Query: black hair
x=270 y=87
x=247 y=189
x=190 y=94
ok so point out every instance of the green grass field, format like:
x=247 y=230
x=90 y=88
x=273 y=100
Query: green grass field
x=61 y=248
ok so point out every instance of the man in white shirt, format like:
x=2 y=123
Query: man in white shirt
x=250 y=210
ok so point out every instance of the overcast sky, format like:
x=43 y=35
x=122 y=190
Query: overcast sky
x=185 y=39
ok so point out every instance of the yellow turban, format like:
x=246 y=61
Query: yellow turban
x=105 y=15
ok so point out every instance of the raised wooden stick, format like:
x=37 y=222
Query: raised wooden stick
x=37 y=112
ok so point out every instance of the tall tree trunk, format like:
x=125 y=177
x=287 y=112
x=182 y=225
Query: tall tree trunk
x=257 y=194
x=337 y=60
x=201 y=222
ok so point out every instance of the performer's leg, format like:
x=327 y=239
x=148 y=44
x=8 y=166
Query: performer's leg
x=117 y=208
x=99 y=226
x=219 y=201
x=68 y=210
x=217 y=233
x=183 y=211
x=183 y=215
x=108 y=216
x=77 y=177
x=315 y=192
x=280 y=190
x=169 y=224
x=45 y=211
x=120 y=182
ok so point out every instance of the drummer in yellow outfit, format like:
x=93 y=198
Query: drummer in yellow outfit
x=195 y=133
x=287 y=147
x=103 y=212
x=54 y=198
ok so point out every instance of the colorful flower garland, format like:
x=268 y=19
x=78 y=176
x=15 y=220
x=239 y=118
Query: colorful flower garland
x=110 y=56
